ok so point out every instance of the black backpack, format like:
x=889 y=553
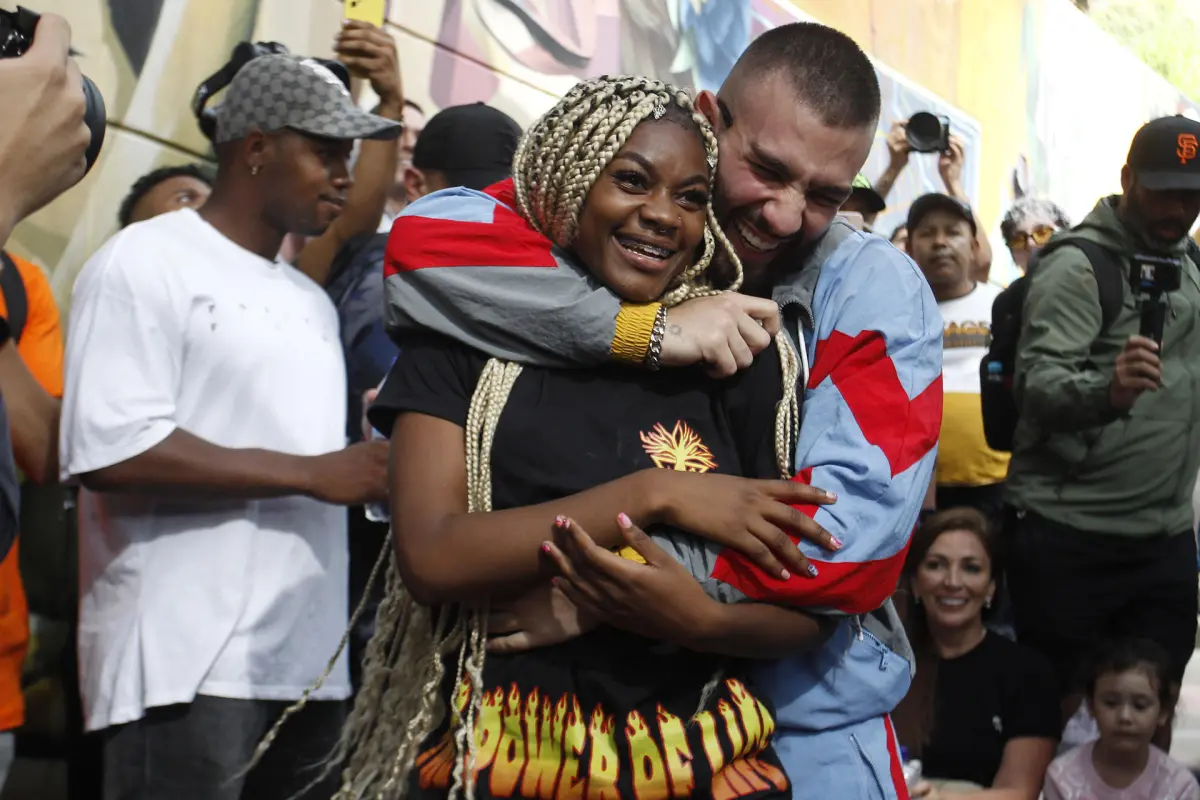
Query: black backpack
x=998 y=367
x=15 y=299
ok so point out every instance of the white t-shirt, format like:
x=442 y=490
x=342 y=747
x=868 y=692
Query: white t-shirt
x=964 y=459
x=174 y=325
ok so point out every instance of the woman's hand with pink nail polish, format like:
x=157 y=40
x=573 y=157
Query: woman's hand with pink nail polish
x=658 y=599
x=761 y=519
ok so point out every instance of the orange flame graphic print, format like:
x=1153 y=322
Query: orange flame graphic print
x=531 y=746
x=679 y=449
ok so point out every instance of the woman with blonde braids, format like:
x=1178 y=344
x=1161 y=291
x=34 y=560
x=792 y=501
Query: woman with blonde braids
x=616 y=181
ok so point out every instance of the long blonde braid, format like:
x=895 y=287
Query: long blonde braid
x=401 y=702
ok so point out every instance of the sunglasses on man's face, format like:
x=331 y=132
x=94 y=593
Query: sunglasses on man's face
x=1039 y=236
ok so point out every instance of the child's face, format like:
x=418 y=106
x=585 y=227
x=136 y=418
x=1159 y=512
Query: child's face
x=645 y=215
x=1126 y=708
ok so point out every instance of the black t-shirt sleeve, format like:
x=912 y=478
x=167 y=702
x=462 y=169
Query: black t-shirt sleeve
x=751 y=399
x=1032 y=695
x=433 y=375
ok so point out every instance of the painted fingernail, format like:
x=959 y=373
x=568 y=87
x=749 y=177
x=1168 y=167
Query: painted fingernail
x=623 y=518
x=554 y=582
x=785 y=575
x=546 y=547
x=837 y=543
x=812 y=571
x=560 y=521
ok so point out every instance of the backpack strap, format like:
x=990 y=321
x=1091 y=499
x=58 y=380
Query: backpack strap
x=1110 y=280
x=1106 y=266
x=15 y=299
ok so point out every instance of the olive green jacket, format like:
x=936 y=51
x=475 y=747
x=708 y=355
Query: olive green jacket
x=1076 y=460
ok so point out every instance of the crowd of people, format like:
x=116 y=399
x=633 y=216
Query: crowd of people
x=613 y=457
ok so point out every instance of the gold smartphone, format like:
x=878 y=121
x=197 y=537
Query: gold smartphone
x=372 y=11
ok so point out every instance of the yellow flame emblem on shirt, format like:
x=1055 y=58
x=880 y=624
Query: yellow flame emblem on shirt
x=679 y=449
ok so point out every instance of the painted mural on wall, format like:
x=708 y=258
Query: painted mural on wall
x=683 y=41
x=148 y=55
x=1083 y=100
x=692 y=43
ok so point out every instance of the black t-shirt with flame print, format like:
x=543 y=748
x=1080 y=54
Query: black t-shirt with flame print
x=610 y=714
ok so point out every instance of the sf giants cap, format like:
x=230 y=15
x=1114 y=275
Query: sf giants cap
x=277 y=91
x=1163 y=155
x=473 y=144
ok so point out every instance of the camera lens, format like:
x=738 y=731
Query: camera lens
x=95 y=118
x=925 y=132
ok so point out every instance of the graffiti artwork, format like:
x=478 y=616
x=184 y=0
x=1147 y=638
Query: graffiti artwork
x=148 y=56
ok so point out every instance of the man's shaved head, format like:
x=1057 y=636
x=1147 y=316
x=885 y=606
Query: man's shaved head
x=828 y=71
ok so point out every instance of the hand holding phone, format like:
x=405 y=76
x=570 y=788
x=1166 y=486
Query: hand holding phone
x=372 y=11
x=369 y=52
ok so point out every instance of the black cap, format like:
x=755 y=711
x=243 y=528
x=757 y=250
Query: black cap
x=473 y=144
x=1163 y=155
x=924 y=204
x=862 y=189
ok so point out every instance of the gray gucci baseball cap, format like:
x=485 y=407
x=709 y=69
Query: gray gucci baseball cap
x=273 y=92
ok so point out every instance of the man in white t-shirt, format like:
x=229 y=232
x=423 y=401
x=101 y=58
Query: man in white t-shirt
x=204 y=414
x=942 y=239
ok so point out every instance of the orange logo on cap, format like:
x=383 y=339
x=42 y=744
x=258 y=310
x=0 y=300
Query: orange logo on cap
x=1187 y=147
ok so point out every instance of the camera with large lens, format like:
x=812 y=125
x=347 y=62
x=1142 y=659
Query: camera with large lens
x=16 y=34
x=928 y=133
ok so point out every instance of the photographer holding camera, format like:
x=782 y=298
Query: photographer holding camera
x=927 y=133
x=52 y=131
x=1107 y=441
x=44 y=138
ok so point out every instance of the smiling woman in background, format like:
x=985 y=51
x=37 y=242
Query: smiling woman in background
x=982 y=714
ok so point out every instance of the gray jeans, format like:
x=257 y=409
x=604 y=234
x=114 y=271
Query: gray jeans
x=196 y=751
x=8 y=753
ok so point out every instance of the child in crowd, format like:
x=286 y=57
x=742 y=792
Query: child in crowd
x=1128 y=694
